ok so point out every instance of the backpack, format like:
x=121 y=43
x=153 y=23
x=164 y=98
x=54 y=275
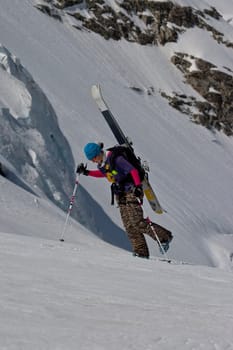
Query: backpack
x=129 y=155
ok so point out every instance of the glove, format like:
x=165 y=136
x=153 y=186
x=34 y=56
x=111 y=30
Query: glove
x=82 y=169
x=138 y=192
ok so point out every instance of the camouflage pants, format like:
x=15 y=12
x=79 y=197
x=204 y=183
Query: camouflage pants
x=136 y=225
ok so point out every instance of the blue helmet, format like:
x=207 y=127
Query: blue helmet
x=92 y=150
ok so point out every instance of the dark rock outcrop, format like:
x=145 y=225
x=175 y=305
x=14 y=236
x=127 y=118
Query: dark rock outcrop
x=215 y=86
x=161 y=21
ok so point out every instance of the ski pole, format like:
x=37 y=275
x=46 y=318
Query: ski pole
x=157 y=238
x=70 y=207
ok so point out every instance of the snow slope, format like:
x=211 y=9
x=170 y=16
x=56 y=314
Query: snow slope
x=90 y=295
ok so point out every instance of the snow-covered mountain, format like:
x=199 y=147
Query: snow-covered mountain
x=85 y=293
x=50 y=79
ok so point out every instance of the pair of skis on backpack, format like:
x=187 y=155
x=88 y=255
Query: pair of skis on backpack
x=123 y=140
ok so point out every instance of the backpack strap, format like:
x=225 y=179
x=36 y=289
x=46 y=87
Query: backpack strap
x=129 y=155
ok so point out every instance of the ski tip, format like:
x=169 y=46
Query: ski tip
x=95 y=89
x=97 y=96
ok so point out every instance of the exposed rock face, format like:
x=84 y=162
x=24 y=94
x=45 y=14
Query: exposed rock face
x=160 y=22
x=215 y=86
x=50 y=11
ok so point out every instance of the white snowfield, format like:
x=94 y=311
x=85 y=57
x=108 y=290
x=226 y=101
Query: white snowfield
x=90 y=295
x=84 y=293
